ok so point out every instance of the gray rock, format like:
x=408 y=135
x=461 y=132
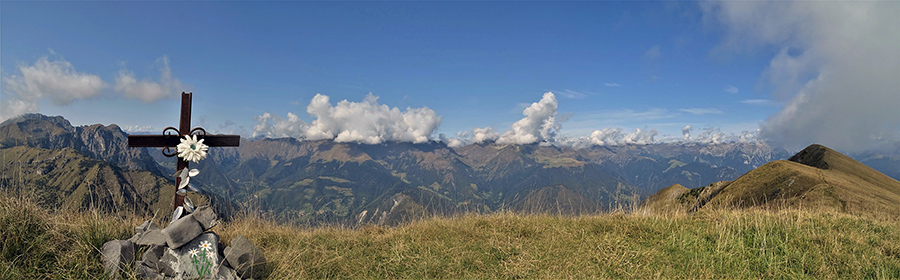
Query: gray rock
x=226 y=273
x=152 y=236
x=182 y=264
x=139 y=231
x=143 y=227
x=152 y=256
x=147 y=234
x=182 y=231
x=246 y=259
x=148 y=226
x=205 y=216
x=117 y=254
x=145 y=272
x=189 y=227
x=168 y=263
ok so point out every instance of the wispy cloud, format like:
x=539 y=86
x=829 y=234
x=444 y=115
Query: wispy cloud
x=572 y=94
x=653 y=53
x=138 y=128
x=731 y=89
x=702 y=111
x=758 y=102
x=632 y=115
x=226 y=124
x=612 y=84
x=147 y=90
x=587 y=122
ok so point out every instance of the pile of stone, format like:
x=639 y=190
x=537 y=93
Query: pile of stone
x=184 y=250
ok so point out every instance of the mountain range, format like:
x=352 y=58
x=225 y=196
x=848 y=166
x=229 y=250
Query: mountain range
x=349 y=183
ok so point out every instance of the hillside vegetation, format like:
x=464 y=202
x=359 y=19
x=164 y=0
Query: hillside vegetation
x=815 y=178
x=68 y=180
x=795 y=243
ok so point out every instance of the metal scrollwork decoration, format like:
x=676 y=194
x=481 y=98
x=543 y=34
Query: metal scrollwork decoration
x=198 y=131
x=169 y=151
x=169 y=131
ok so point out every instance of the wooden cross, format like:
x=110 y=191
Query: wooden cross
x=169 y=141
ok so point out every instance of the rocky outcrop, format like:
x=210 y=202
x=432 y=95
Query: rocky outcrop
x=184 y=250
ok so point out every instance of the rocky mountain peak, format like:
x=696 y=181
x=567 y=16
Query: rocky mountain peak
x=814 y=155
x=108 y=143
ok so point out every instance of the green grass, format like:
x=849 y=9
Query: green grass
x=39 y=243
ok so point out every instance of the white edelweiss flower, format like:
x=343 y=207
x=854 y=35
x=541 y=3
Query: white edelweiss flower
x=211 y=255
x=206 y=246
x=190 y=149
x=194 y=252
x=185 y=176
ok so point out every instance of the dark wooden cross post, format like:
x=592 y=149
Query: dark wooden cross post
x=169 y=141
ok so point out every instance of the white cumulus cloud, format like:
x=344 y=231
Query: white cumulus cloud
x=836 y=69
x=539 y=124
x=480 y=135
x=147 y=90
x=476 y=136
x=686 y=131
x=361 y=122
x=55 y=80
x=711 y=135
x=452 y=142
x=615 y=136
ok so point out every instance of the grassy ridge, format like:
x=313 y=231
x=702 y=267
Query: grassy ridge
x=38 y=243
x=791 y=244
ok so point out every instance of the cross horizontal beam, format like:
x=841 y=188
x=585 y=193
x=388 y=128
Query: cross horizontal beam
x=174 y=140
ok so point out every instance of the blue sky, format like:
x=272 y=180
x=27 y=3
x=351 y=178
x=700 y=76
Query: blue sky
x=648 y=65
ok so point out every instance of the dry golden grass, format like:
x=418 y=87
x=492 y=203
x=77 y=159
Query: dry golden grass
x=43 y=243
x=710 y=244
x=790 y=243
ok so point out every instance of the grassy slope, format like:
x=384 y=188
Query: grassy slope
x=70 y=180
x=37 y=243
x=815 y=177
x=665 y=200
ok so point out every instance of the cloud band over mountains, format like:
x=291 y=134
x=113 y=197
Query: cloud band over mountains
x=363 y=122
